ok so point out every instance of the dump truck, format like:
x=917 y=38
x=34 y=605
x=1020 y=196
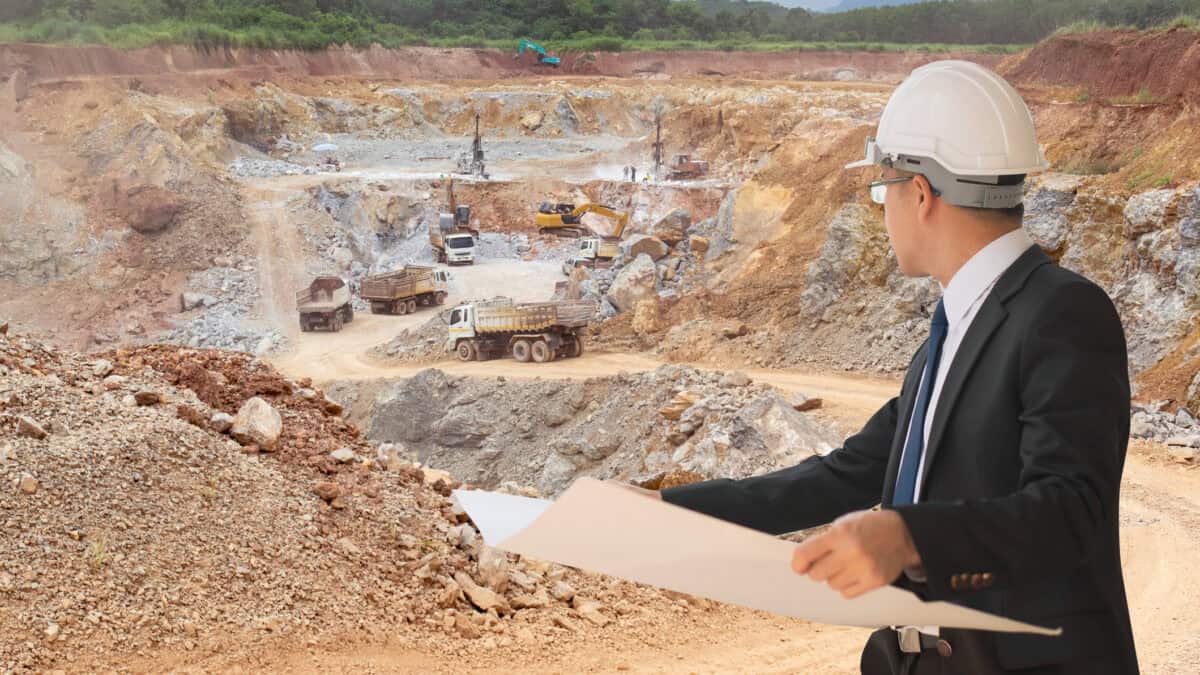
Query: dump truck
x=538 y=331
x=402 y=291
x=325 y=304
x=683 y=167
x=594 y=252
x=453 y=238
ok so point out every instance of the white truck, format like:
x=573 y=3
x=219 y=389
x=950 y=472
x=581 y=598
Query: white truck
x=593 y=252
x=539 y=331
x=325 y=304
x=453 y=239
x=452 y=243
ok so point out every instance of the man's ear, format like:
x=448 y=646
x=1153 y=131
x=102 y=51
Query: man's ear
x=924 y=197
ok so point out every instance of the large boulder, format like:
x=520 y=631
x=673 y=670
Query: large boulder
x=530 y=121
x=149 y=208
x=766 y=434
x=257 y=423
x=635 y=282
x=1047 y=210
x=673 y=227
x=642 y=243
x=408 y=410
x=1147 y=211
x=648 y=317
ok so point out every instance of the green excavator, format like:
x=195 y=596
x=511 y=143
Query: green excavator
x=543 y=58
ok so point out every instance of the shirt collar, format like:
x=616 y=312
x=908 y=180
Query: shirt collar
x=980 y=273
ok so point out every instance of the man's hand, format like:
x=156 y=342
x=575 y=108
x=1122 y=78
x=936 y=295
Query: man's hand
x=862 y=551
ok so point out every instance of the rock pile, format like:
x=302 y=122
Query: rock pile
x=675 y=422
x=1179 y=430
x=648 y=271
x=424 y=344
x=217 y=311
x=134 y=526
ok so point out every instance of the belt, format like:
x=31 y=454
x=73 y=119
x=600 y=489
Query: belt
x=912 y=641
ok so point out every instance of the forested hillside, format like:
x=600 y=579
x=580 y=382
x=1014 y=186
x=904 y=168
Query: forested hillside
x=583 y=24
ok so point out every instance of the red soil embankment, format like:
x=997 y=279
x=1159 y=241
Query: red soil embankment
x=1108 y=64
x=44 y=63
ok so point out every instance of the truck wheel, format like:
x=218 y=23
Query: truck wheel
x=440 y=298
x=335 y=324
x=575 y=348
x=521 y=351
x=541 y=352
x=412 y=306
x=465 y=351
x=400 y=307
x=349 y=314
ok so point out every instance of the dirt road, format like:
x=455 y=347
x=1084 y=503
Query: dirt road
x=345 y=355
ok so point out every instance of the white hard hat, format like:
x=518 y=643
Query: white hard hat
x=962 y=116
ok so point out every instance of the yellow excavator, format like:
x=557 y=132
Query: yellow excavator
x=595 y=250
x=566 y=220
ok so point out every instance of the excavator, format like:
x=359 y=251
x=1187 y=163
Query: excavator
x=566 y=220
x=543 y=58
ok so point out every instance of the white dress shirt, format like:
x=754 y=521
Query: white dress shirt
x=962 y=299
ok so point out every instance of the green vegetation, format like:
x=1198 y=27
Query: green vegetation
x=1150 y=178
x=589 y=25
x=1143 y=97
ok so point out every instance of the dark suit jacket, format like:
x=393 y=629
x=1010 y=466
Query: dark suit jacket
x=1021 y=479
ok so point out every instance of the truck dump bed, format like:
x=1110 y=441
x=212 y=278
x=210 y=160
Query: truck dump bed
x=323 y=294
x=404 y=283
x=531 y=317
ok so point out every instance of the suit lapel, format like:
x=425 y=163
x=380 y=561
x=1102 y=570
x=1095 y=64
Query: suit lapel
x=990 y=316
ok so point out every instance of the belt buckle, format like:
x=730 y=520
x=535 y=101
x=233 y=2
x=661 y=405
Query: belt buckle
x=909 y=638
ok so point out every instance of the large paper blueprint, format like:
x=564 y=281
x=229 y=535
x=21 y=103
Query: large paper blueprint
x=603 y=527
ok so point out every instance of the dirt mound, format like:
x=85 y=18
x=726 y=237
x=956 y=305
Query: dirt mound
x=134 y=526
x=1108 y=64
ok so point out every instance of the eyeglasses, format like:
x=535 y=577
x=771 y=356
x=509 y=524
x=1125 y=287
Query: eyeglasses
x=879 y=187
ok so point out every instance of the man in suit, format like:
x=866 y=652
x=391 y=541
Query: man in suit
x=998 y=465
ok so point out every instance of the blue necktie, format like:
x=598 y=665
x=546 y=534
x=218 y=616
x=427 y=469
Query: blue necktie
x=914 y=447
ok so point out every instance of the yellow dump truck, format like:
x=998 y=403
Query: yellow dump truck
x=538 y=331
x=402 y=291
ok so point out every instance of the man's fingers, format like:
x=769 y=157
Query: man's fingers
x=809 y=551
x=844 y=578
x=856 y=589
x=826 y=567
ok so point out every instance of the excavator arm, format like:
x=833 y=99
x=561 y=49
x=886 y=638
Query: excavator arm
x=621 y=219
